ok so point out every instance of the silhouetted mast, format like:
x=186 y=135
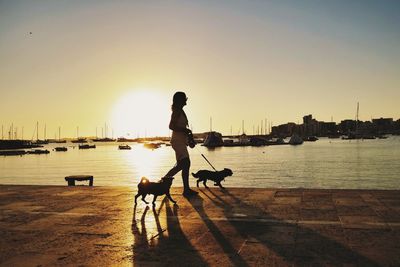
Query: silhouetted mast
x=265 y=126
x=357 y=117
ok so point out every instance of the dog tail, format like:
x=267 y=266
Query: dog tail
x=194 y=175
x=144 y=180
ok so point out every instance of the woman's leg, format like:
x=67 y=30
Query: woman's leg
x=184 y=166
x=185 y=173
x=177 y=168
x=187 y=192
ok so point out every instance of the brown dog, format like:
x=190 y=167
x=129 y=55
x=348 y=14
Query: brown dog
x=157 y=189
x=217 y=176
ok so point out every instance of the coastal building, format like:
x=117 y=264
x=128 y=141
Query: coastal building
x=327 y=128
x=383 y=125
x=347 y=126
x=310 y=126
x=286 y=130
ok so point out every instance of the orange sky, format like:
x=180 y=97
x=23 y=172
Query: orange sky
x=96 y=62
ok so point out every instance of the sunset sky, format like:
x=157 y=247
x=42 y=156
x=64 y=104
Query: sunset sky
x=87 y=63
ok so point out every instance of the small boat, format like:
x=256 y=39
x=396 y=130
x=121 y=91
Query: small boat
x=79 y=140
x=295 y=140
x=311 y=139
x=38 y=151
x=86 y=146
x=12 y=152
x=40 y=142
x=124 y=147
x=61 y=148
x=152 y=145
x=59 y=141
x=103 y=139
x=213 y=139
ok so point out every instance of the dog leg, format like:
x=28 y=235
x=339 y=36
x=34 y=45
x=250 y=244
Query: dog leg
x=204 y=183
x=170 y=198
x=154 y=200
x=136 y=197
x=198 y=180
x=144 y=200
x=220 y=185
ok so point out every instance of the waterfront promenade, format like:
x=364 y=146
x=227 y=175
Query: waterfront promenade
x=100 y=226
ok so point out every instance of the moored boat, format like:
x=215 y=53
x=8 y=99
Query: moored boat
x=295 y=140
x=152 y=145
x=213 y=139
x=86 y=146
x=79 y=140
x=12 y=152
x=38 y=151
x=124 y=147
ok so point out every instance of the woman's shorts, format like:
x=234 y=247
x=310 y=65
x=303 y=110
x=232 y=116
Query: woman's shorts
x=180 y=149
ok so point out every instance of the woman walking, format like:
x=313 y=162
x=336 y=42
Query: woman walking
x=179 y=141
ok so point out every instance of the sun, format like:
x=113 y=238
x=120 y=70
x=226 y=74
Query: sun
x=141 y=113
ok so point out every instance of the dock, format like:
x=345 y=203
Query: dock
x=101 y=226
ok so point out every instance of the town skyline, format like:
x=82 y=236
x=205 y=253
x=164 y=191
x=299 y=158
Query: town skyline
x=106 y=131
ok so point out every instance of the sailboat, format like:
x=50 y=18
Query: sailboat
x=79 y=139
x=38 y=141
x=59 y=141
x=356 y=134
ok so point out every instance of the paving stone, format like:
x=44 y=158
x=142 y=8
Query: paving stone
x=362 y=222
x=101 y=226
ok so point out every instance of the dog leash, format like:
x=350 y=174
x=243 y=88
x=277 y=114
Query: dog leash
x=204 y=157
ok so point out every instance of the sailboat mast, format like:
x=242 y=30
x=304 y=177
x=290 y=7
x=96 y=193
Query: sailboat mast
x=357 y=117
x=37 y=130
x=59 y=133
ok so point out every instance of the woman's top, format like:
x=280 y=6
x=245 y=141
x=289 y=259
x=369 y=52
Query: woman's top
x=179 y=120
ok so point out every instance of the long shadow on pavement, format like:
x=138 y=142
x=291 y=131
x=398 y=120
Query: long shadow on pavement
x=274 y=239
x=155 y=245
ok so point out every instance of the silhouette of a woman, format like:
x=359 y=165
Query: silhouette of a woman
x=179 y=141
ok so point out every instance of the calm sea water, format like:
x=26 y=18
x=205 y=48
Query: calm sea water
x=327 y=163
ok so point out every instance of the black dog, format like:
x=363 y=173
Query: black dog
x=217 y=176
x=157 y=189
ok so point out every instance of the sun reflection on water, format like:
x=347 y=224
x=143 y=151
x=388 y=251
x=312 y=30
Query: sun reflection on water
x=145 y=162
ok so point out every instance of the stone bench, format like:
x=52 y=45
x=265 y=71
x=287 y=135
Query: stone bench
x=71 y=179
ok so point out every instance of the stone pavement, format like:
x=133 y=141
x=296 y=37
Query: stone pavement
x=100 y=226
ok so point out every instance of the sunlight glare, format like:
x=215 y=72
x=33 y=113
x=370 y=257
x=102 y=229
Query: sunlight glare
x=141 y=113
x=144 y=162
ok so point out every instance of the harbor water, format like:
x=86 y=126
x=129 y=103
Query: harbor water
x=327 y=163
